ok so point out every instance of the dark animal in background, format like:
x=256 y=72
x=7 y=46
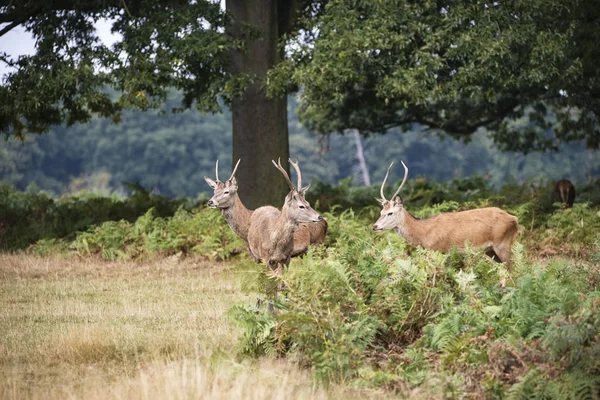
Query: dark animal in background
x=564 y=192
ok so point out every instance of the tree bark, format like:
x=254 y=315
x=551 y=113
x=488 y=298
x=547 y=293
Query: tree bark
x=260 y=131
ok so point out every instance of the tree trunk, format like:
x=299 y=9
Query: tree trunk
x=260 y=131
x=360 y=155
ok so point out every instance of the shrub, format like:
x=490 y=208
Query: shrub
x=371 y=310
x=202 y=232
x=26 y=217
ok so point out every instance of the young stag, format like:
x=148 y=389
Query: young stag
x=226 y=198
x=564 y=192
x=271 y=234
x=489 y=228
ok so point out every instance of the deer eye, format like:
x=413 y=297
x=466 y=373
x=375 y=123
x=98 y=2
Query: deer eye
x=389 y=214
x=226 y=192
x=301 y=206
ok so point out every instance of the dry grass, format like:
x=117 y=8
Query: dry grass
x=91 y=329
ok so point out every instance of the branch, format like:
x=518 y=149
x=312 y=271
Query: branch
x=17 y=19
x=9 y=28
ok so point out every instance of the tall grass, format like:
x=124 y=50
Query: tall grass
x=89 y=329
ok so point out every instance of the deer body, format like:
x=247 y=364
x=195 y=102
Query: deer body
x=226 y=198
x=271 y=233
x=564 y=192
x=487 y=228
x=273 y=236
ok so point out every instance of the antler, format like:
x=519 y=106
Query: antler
x=235 y=169
x=283 y=171
x=384 y=180
x=217 y=171
x=297 y=168
x=403 y=180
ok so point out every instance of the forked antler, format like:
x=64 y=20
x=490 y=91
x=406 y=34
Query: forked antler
x=385 y=179
x=284 y=172
x=297 y=168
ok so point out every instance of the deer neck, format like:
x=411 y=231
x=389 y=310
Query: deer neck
x=282 y=236
x=238 y=217
x=412 y=229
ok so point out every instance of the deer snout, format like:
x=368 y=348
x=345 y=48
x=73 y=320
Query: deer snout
x=212 y=203
x=320 y=217
x=376 y=228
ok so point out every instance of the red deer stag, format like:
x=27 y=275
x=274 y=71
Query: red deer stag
x=226 y=198
x=271 y=233
x=488 y=228
x=564 y=192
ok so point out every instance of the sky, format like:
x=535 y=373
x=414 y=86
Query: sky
x=16 y=42
x=19 y=42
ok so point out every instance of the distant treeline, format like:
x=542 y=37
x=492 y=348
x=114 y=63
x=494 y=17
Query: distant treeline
x=170 y=154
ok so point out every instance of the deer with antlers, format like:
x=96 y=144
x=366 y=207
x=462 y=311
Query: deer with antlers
x=271 y=233
x=489 y=228
x=226 y=198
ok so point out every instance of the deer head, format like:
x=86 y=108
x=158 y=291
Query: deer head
x=392 y=213
x=296 y=206
x=224 y=193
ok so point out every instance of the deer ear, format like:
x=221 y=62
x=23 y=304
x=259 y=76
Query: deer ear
x=398 y=201
x=210 y=182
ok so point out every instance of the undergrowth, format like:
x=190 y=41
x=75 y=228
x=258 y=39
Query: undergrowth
x=202 y=232
x=371 y=310
x=26 y=217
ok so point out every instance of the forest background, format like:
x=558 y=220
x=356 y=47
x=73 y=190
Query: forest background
x=171 y=153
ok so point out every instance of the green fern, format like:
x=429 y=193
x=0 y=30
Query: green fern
x=258 y=329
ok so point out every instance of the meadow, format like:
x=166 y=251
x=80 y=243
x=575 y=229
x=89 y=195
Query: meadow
x=165 y=306
x=88 y=328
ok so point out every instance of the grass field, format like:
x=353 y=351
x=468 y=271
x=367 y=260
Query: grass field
x=73 y=328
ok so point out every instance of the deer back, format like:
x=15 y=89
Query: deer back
x=484 y=227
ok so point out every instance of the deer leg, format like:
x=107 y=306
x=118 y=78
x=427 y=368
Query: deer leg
x=503 y=253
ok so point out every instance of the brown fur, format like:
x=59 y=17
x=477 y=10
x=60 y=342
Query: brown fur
x=564 y=192
x=488 y=228
x=271 y=234
x=307 y=234
x=238 y=217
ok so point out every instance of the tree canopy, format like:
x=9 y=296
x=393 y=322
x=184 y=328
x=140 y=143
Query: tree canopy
x=162 y=45
x=453 y=66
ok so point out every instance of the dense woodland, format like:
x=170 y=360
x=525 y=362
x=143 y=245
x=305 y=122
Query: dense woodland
x=171 y=153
